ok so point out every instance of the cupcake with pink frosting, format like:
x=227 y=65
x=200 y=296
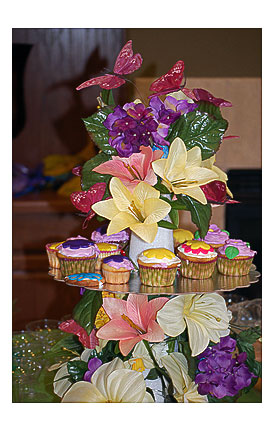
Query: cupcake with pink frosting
x=77 y=255
x=120 y=238
x=116 y=269
x=235 y=258
x=215 y=236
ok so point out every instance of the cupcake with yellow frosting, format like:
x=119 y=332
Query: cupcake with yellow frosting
x=181 y=235
x=157 y=267
x=198 y=259
x=52 y=249
x=104 y=250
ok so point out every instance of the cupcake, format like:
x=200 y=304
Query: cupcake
x=198 y=259
x=52 y=250
x=120 y=238
x=77 y=255
x=116 y=269
x=157 y=267
x=235 y=258
x=181 y=235
x=86 y=279
x=104 y=250
x=215 y=236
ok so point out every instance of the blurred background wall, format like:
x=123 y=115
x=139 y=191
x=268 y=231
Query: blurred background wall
x=47 y=66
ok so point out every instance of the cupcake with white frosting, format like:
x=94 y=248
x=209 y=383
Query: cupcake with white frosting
x=198 y=259
x=157 y=267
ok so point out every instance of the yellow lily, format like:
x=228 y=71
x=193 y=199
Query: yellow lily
x=139 y=210
x=185 y=389
x=182 y=172
x=209 y=164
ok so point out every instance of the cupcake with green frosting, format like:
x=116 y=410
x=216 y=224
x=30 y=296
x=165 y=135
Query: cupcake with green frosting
x=235 y=258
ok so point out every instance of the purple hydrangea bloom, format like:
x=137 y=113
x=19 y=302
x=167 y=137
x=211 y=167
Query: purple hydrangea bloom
x=93 y=365
x=180 y=106
x=130 y=127
x=220 y=374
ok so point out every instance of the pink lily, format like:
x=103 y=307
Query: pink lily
x=132 y=321
x=72 y=327
x=134 y=169
x=84 y=200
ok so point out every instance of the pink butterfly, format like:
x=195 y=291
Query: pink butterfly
x=126 y=63
x=88 y=341
x=169 y=82
x=83 y=200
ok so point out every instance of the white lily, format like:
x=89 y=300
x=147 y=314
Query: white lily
x=205 y=316
x=185 y=389
x=111 y=383
x=140 y=359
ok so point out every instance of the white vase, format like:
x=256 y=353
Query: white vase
x=164 y=239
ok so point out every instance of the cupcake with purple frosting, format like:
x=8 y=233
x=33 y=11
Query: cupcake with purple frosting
x=120 y=238
x=235 y=258
x=215 y=236
x=116 y=269
x=77 y=255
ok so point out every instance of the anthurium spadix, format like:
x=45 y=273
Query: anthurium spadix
x=139 y=210
x=182 y=172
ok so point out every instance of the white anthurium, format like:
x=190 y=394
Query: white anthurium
x=140 y=359
x=111 y=383
x=205 y=316
x=185 y=389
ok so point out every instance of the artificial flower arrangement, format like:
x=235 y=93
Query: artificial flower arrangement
x=153 y=161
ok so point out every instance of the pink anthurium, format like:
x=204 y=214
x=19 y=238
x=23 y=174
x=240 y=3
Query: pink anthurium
x=132 y=321
x=134 y=169
x=216 y=193
x=84 y=200
x=72 y=327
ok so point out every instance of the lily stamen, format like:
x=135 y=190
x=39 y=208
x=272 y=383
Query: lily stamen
x=132 y=324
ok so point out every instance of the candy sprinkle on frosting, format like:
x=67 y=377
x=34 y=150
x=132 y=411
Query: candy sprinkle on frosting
x=159 y=253
x=196 y=247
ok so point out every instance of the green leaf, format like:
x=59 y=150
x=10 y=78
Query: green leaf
x=201 y=129
x=98 y=132
x=167 y=224
x=85 y=311
x=192 y=362
x=70 y=342
x=250 y=335
x=210 y=109
x=89 y=177
x=77 y=369
x=107 y=97
x=231 y=252
x=152 y=375
x=174 y=216
x=161 y=188
x=200 y=214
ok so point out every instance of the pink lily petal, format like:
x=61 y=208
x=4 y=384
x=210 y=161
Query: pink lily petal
x=114 y=167
x=116 y=329
x=154 y=333
x=115 y=307
x=125 y=346
x=150 y=311
x=135 y=304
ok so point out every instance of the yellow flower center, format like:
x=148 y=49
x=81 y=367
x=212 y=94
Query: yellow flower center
x=137 y=214
x=138 y=365
x=132 y=324
x=133 y=171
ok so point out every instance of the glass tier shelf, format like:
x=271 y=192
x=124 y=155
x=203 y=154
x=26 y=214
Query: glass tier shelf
x=181 y=286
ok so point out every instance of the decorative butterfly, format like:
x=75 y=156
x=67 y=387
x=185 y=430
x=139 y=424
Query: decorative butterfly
x=126 y=63
x=169 y=82
x=72 y=327
x=83 y=200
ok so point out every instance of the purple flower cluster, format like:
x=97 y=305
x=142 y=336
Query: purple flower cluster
x=221 y=374
x=130 y=127
x=93 y=365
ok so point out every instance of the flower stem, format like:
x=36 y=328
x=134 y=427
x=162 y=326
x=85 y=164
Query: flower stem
x=162 y=372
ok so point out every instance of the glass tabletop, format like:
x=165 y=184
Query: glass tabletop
x=181 y=286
